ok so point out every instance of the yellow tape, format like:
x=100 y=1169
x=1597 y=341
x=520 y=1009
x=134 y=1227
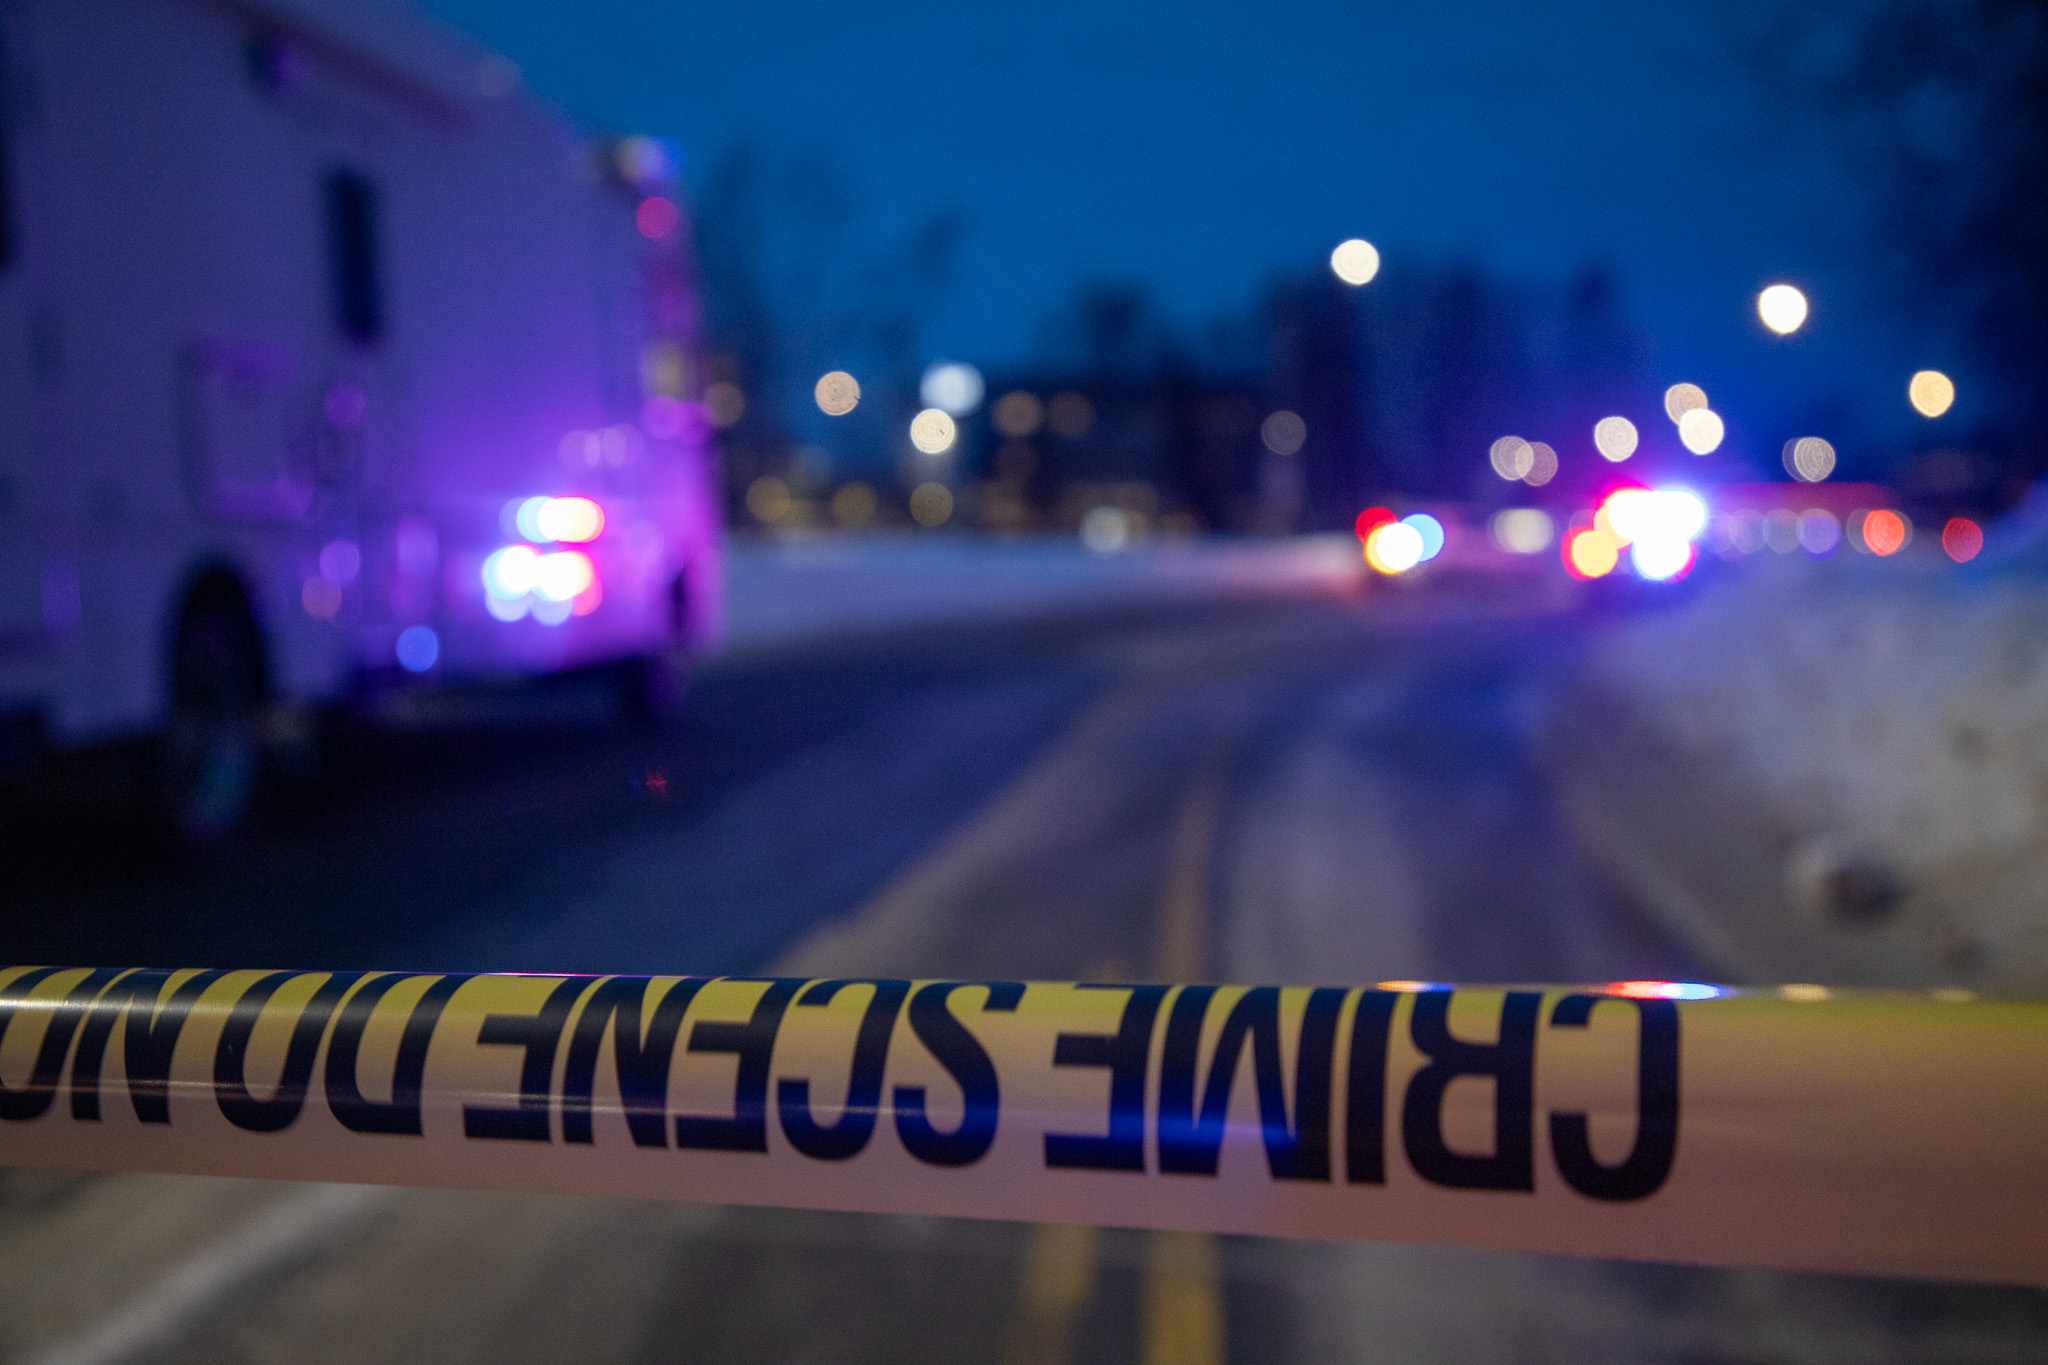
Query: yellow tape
x=1883 y=1134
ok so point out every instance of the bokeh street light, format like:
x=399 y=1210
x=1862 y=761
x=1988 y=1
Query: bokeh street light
x=1019 y=414
x=1809 y=459
x=1356 y=261
x=838 y=393
x=726 y=402
x=1106 y=530
x=854 y=505
x=953 y=388
x=1782 y=308
x=1680 y=399
x=931 y=503
x=1701 y=431
x=932 y=431
x=1615 y=438
x=1523 y=530
x=768 y=498
x=1283 y=432
x=1932 y=393
x=1512 y=458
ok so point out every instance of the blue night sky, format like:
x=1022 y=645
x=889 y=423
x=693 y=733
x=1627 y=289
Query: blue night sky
x=1202 y=148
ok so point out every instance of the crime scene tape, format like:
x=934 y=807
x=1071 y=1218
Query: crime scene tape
x=1872 y=1133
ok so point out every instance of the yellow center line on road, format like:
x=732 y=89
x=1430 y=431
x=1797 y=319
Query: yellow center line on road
x=1183 y=1307
x=1181 y=1301
x=1058 y=1282
x=1183 y=1288
x=1180 y=927
x=1060 y=1263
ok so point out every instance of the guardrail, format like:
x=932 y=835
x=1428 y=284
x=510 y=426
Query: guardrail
x=1867 y=1132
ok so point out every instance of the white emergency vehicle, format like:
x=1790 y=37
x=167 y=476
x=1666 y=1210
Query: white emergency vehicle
x=328 y=358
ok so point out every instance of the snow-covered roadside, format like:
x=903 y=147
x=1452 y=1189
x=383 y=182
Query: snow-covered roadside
x=1835 y=771
x=782 y=592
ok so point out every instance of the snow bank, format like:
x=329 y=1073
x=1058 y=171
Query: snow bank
x=1888 y=729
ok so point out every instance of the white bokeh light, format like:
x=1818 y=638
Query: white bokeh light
x=1106 y=530
x=1615 y=438
x=1810 y=459
x=509 y=574
x=1512 y=458
x=953 y=388
x=1355 y=261
x=1680 y=399
x=1782 y=308
x=563 y=575
x=932 y=431
x=1394 y=548
x=1701 y=431
x=1523 y=530
x=1639 y=514
x=837 y=393
x=1660 y=559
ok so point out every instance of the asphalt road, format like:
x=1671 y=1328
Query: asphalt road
x=1300 y=789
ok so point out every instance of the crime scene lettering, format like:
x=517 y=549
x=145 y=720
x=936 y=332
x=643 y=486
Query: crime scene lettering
x=1643 y=1171
x=231 y=1056
x=538 y=1034
x=1365 y=1089
x=856 y=1123
x=967 y=1062
x=753 y=1042
x=30 y=1100
x=1873 y=1134
x=345 y=1099
x=1510 y=1063
x=150 y=1026
x=1124 y=1053
x=642 y=1061
x=1189 y=1144
x=645 y=1018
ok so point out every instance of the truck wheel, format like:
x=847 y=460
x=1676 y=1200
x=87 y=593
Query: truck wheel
x=210 y=756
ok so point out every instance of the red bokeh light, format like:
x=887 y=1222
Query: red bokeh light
x=1371 y=519
x=1962 y=538
x=657 y=217
x=1884 y=532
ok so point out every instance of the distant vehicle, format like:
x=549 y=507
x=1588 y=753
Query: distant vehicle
x=326 y=357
